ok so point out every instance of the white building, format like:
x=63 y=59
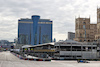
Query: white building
x=71 y=36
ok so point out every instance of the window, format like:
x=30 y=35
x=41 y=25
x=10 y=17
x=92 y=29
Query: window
x=88 y=40
x=80 y=35
x=84 y=19
x=87 y=35
x=84 y=40
x=84 y=22
x=80 y=40
x=68 y=43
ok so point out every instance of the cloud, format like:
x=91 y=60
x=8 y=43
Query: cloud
x=62 y=12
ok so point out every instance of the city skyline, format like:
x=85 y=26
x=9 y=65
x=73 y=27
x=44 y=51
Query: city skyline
x=62 y=13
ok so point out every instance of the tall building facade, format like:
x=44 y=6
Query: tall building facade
x=34 y=31
x=84 y=31
x=97 y=36
x=71 y=35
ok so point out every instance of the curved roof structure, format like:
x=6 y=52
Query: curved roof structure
x=68 y=41
x=26 y=46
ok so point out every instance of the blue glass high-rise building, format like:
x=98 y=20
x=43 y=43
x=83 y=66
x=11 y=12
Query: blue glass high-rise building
x=34 y=31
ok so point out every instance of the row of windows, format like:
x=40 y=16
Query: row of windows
x=86 y=40
x=81 y=27
x=82 y=35
x=45 y=22
x=98 y=37
x=38 y=22
x=67 y=56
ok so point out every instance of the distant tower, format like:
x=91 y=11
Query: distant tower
x=35 y=19
x=54 y=40
x=98 y=15
x=97 y=36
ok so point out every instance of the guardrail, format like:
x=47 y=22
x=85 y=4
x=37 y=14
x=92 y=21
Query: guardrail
x=31 y=59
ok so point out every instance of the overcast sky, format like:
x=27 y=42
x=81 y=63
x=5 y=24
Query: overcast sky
x=62 y=12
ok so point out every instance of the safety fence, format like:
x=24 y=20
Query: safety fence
x=31 y=59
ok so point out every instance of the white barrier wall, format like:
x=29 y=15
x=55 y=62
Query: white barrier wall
x=84 y=54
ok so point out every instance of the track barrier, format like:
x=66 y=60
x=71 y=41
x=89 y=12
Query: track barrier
x=31 y=59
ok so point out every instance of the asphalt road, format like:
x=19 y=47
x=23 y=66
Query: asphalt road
x=9 y=60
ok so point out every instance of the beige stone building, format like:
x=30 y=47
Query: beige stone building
x=85 y=31
x=97 y=36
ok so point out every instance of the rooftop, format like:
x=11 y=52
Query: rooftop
x=26 y=46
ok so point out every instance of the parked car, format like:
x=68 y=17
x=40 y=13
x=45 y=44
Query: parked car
x=82 y=61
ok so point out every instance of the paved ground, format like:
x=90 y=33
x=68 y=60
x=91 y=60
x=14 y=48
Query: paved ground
x=9 y=60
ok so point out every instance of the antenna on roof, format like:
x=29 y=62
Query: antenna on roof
x=89 y=16
x=97 y=6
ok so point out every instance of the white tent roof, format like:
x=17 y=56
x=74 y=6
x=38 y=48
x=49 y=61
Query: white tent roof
x=26 y=46
x=69 y=41
x=52 y=43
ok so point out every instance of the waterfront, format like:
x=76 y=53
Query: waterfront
x=9 y=60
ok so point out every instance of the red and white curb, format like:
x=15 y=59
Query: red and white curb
x=31 y=59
